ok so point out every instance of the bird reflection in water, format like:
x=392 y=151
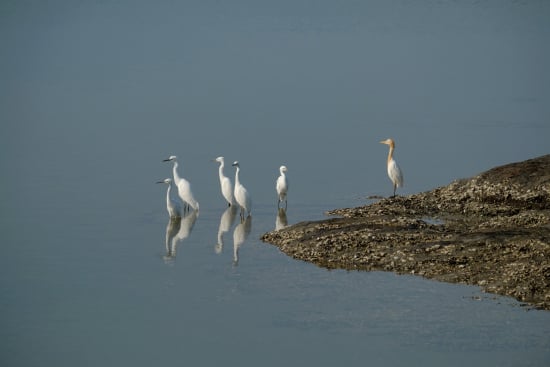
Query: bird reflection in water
x=281 y=221
x=226 y=221
x=240 y=234
x=177 y=230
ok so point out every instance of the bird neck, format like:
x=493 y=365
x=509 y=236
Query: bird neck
x=237 y=176
x=220 y=171
x=390 y=154
x=168 y=192
x=175 y=171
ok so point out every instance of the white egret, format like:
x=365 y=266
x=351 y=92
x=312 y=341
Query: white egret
x=173 y=205
x=184 y=187
x=225 y=182
x=282 y=186
x=394 y=172
x=241 y=194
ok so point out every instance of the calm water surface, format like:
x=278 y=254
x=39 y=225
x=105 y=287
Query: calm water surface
x=95 y=94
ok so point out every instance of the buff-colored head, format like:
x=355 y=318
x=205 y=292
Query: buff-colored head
x=389 y=142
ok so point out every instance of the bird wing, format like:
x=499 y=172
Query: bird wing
x=184 y=190
x=395 y=173
x=246 y=197
x=227 y=188
x=281 y=184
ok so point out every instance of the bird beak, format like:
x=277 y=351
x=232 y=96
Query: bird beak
x=160 y=181
x=166 y=160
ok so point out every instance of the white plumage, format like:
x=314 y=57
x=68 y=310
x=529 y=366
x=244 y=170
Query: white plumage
x=282 y=186
x=184 y=187
x=225 y=182
x=394 y=172
x=173 y=205
x=241 y=194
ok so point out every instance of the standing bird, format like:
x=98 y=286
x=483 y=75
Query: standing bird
x=172 y=205
x=282 y=186
x=184 y=187
x=394 y=172
x=225 y=182
x=241 y=195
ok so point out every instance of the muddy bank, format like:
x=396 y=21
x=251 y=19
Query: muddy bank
x=492 y=230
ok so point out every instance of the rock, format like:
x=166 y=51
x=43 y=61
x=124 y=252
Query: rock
x=491 y=230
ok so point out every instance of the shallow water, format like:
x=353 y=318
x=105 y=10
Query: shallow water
x=95 y=95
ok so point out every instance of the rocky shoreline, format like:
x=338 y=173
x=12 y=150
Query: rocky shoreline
x=492 y=230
